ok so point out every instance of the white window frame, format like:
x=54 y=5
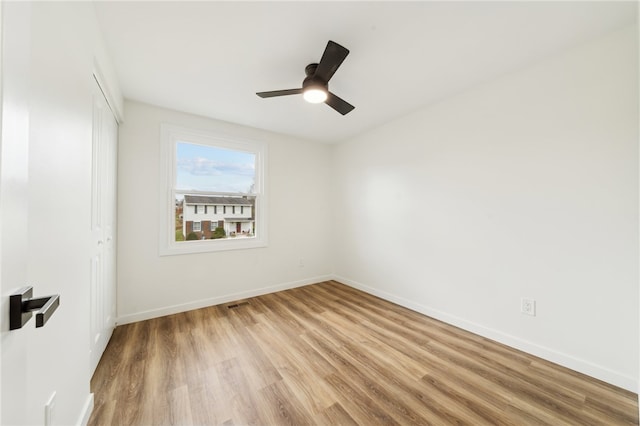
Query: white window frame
x=170 y=135
x=194 y=226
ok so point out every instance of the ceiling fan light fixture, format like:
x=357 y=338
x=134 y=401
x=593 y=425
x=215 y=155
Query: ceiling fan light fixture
x=315 y=95
x=315 y=86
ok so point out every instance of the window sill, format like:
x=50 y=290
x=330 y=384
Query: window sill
x=208 y=246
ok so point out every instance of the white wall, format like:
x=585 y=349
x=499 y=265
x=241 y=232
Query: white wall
x=64 y=47
x=149 y=285
x=524 y=187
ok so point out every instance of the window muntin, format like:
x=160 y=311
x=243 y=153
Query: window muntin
x=216 y=172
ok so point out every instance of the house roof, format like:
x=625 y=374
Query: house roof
x=220 y=200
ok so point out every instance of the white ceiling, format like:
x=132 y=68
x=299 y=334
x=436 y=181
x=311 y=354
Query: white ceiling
x=209 y=58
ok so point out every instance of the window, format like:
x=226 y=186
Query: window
x=241 y=209
x=233 y=209
x=201 y=169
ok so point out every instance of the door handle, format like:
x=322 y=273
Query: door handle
x=22 y=304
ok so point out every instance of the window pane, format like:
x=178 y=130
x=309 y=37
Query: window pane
x=223 y=224
x=213 y=169
x=219 y=172
x=207 y=171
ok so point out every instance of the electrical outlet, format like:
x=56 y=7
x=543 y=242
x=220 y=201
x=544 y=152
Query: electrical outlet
x=49 y=410
x=301 y=263
x=528 y=306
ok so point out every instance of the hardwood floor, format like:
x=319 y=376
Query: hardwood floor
x=327 y=354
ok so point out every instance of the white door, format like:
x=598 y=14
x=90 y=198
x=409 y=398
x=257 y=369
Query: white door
x=14 y=142
x=103 y=226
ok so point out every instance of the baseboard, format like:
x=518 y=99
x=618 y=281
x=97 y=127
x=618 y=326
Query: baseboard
x=85 y=415
x=169 y=310
x=565 y=360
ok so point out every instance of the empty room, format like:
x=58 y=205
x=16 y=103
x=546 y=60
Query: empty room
x=272 y=213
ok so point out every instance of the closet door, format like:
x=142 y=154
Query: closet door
x=103 y=227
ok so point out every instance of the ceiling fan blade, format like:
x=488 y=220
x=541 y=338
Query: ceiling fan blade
x=337 y=103
x=279 y=93
x=332 y=58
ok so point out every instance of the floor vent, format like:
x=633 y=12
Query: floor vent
x=237 y=305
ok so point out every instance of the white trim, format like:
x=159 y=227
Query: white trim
x=169 y=136
x=2 y=315
x=107 y=91
x=87 y=409
x=183 y=307
x=599 y=372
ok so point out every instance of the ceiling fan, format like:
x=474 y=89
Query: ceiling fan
x=315 y=87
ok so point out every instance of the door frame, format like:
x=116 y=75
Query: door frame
x=107 y=91
x=1 y=100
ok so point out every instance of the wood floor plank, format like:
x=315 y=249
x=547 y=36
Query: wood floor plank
x=328 y=354
x=356 y=367
x=179 y=407
x=387 y=355
x=309 y=387
x=335 y=415
x=523 y=413
x=358 y=404
x=280 y=406
x=243 y=400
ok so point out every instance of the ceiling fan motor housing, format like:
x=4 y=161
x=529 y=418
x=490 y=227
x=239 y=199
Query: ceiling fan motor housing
x=311 y=80
x=310 y=69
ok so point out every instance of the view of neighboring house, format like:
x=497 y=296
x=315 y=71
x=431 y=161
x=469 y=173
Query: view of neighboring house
x=203 y=214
